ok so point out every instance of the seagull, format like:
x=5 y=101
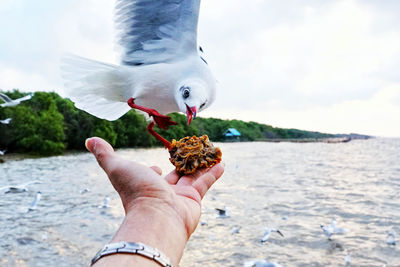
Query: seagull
x=332 y=229
x=236 y=229
x=85 y=190
x=19 y=188
x=8 y=102
x=268 y=232
x=261 y=263
x=391 y=238
x=35 y=202
x=162 y=69
x=203 y=223
x=3 y=152
x=106 y=202
x=6 y=121
x=347 y=259
x=222 y=213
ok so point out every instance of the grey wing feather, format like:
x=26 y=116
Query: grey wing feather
x=154 y=31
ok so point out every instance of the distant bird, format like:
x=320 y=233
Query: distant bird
x=3 y=152
x=6 y=121
x=222 y=213
x=347 y=259
x=35 y=202
x=268 y=232
x=391 y=238
x=203 y=223
x=332 y=229
x=8 y=102
x=261 y=263
x=19 y=188
x=85 y=190
x=236 y=229
x=106 y=202
x=161 y=71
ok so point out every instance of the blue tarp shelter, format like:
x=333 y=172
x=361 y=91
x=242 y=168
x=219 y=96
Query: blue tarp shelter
x=232 y=133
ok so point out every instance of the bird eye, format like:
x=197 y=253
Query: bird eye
x=186 y=93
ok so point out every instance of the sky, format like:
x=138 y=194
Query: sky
x=328 y=66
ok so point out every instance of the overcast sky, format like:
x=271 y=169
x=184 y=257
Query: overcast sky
x=330 y=66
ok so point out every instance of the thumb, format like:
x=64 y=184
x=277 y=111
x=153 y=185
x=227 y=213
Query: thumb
x=102 y=151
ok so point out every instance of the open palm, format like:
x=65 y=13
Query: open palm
x=137 y=183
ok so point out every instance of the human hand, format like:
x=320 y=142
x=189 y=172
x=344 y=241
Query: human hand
x=171 y=203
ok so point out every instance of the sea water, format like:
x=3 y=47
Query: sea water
x=293 y=187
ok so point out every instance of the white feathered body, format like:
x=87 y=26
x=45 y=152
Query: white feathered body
x=104 y=89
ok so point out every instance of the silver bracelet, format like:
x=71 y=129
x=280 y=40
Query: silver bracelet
x=133 y=248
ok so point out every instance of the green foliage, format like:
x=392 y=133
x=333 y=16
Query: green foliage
x=48 y=124
x=36 y=127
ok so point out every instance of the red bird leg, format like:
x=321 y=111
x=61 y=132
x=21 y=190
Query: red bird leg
x=162 y=121
x=150 y=129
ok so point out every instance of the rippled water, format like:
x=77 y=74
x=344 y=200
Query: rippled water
x=290 y=186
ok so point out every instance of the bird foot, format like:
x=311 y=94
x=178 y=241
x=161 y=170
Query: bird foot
x=150 y=129
x=161 y=120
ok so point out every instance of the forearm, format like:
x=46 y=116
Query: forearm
x=152 y=224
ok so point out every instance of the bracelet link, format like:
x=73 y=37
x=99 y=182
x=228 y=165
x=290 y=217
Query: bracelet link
x=133 y=248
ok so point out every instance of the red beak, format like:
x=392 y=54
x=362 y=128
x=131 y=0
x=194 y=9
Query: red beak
x=190 y=113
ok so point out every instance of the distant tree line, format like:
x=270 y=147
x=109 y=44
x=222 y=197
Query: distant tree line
x=49 y=124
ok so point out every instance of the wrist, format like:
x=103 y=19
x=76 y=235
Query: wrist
x=156 y=224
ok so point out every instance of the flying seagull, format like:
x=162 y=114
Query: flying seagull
x=332 y=229
x=8 y=102
x=236 y=229
x=268 y=232
x=162 y=68
x=222 y=213
x=391 y=238
x=105 y=204
x=6 y=121
x=35 y=202
x=261 y=263
x=19 y=188
x=3 y=152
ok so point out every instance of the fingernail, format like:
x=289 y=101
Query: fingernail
x=86 y=143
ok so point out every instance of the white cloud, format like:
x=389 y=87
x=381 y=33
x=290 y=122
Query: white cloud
x=378 y=115
x=29 y=81
x=310 y=65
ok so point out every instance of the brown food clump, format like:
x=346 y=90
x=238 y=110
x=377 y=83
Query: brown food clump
x=192 y=153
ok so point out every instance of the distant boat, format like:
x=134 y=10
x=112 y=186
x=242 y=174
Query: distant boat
x=338 y=140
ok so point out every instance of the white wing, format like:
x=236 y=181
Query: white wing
x=5 y=98
x=95 y=87
x=24 y=98
x=153 y=31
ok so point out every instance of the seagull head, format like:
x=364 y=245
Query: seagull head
x=193 y=97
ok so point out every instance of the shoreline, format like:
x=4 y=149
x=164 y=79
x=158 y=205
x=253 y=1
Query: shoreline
x=334 y=140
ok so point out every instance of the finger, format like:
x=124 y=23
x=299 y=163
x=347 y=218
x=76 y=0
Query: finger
x=172 y=177
x=103 y=152
x=203 y=183
x=156 y=169
x=190 y=179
